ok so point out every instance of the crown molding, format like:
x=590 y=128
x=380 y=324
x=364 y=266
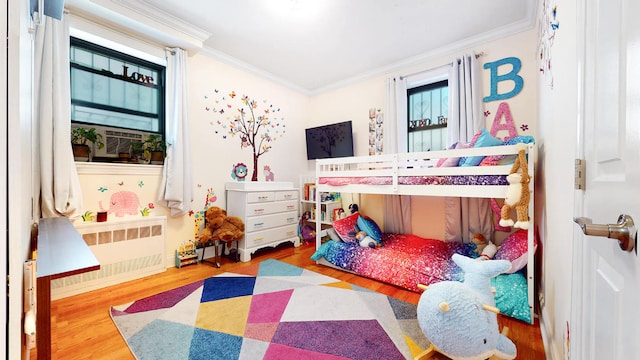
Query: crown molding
x=146 y=9
x=142 y=20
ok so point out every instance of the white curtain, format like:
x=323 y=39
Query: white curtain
x=395 y=124
x=176 y=188
x=465 y=216
x=60 y=190
x=397 y=208
x=465 y=99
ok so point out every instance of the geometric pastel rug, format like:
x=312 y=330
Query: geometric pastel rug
x=271 y=310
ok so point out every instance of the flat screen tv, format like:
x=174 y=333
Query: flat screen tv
x=330 y=141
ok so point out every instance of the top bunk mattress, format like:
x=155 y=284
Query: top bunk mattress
x=417 y=180
x=440 y=173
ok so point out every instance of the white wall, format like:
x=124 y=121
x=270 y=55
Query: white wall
x=213 y=156
x=554 y=194
x=22 y=180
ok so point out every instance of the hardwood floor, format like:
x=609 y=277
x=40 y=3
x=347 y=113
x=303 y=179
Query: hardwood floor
x=82 y=328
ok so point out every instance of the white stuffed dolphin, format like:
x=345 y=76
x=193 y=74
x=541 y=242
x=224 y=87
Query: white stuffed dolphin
x=456 y=317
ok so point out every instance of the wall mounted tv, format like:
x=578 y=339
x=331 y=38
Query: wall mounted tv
x=330 y=141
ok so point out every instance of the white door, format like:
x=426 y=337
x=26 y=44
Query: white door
x=606 y=301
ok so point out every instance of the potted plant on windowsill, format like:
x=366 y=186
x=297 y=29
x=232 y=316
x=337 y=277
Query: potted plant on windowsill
x=156 y=149
x=137 y=152
x=80 y=137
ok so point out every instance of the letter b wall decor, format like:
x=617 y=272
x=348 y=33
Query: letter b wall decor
x=512 y=75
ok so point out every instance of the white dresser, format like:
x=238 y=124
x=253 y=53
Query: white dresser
x=269 y=211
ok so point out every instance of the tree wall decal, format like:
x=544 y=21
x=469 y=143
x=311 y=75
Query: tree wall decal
x=256 y=125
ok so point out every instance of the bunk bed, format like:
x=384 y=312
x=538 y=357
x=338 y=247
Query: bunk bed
x=405 y=259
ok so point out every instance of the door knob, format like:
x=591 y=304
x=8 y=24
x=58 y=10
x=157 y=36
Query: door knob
x=624 y=231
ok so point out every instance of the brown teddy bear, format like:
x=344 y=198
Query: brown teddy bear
x=220 y=226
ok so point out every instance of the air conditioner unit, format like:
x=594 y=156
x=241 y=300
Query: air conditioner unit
x=117 y=141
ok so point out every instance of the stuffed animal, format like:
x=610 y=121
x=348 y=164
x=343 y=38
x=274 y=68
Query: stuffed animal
x=460 y=319
x=518 y=194
x=365 y=240
x=220 y=226
x=480 y=241
x=488 y=252
x=485 y=248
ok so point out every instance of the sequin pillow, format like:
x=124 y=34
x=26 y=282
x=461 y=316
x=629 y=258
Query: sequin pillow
x=347 y=228
x=507 y=159
x=511 y=295
x=514 y=249
x=369 y=226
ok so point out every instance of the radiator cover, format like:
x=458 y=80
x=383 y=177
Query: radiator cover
x=127 y=249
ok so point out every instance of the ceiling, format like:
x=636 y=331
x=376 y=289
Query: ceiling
x=315 y=45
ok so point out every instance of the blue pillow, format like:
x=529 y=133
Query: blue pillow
x=369 y=226
x=484 y=139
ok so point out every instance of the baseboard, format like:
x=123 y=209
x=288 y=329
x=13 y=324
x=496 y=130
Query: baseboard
x=550 y=351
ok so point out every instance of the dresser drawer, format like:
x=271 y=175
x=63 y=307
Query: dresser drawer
x=256 y=209
x=266 y=237
x=269 y=221
x=258 y=197
x=287 y=195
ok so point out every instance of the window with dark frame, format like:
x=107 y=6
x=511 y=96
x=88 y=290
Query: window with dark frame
x=120 y=95
x=427 y=116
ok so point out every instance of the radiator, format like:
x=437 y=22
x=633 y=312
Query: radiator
x=127 y=249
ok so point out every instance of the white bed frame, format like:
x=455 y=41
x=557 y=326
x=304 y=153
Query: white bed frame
x=423 y=164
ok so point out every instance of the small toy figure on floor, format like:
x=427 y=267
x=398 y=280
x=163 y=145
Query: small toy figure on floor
x=486 y=249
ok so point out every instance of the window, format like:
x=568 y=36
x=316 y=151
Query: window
x=122 y=96
x=428 y=112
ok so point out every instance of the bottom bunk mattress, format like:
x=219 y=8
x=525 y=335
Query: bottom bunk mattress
x=406 y=260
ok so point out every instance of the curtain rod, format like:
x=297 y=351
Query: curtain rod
x=451 y=63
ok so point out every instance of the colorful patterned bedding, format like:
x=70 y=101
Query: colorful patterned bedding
x=404 y=260
x=407 y=260
x=417 y=180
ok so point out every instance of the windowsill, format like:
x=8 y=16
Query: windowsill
x=96 y=168
x=427 y=127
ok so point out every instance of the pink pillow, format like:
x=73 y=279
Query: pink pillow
x=514 y=249
x=451 y=162
x=347 y=228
